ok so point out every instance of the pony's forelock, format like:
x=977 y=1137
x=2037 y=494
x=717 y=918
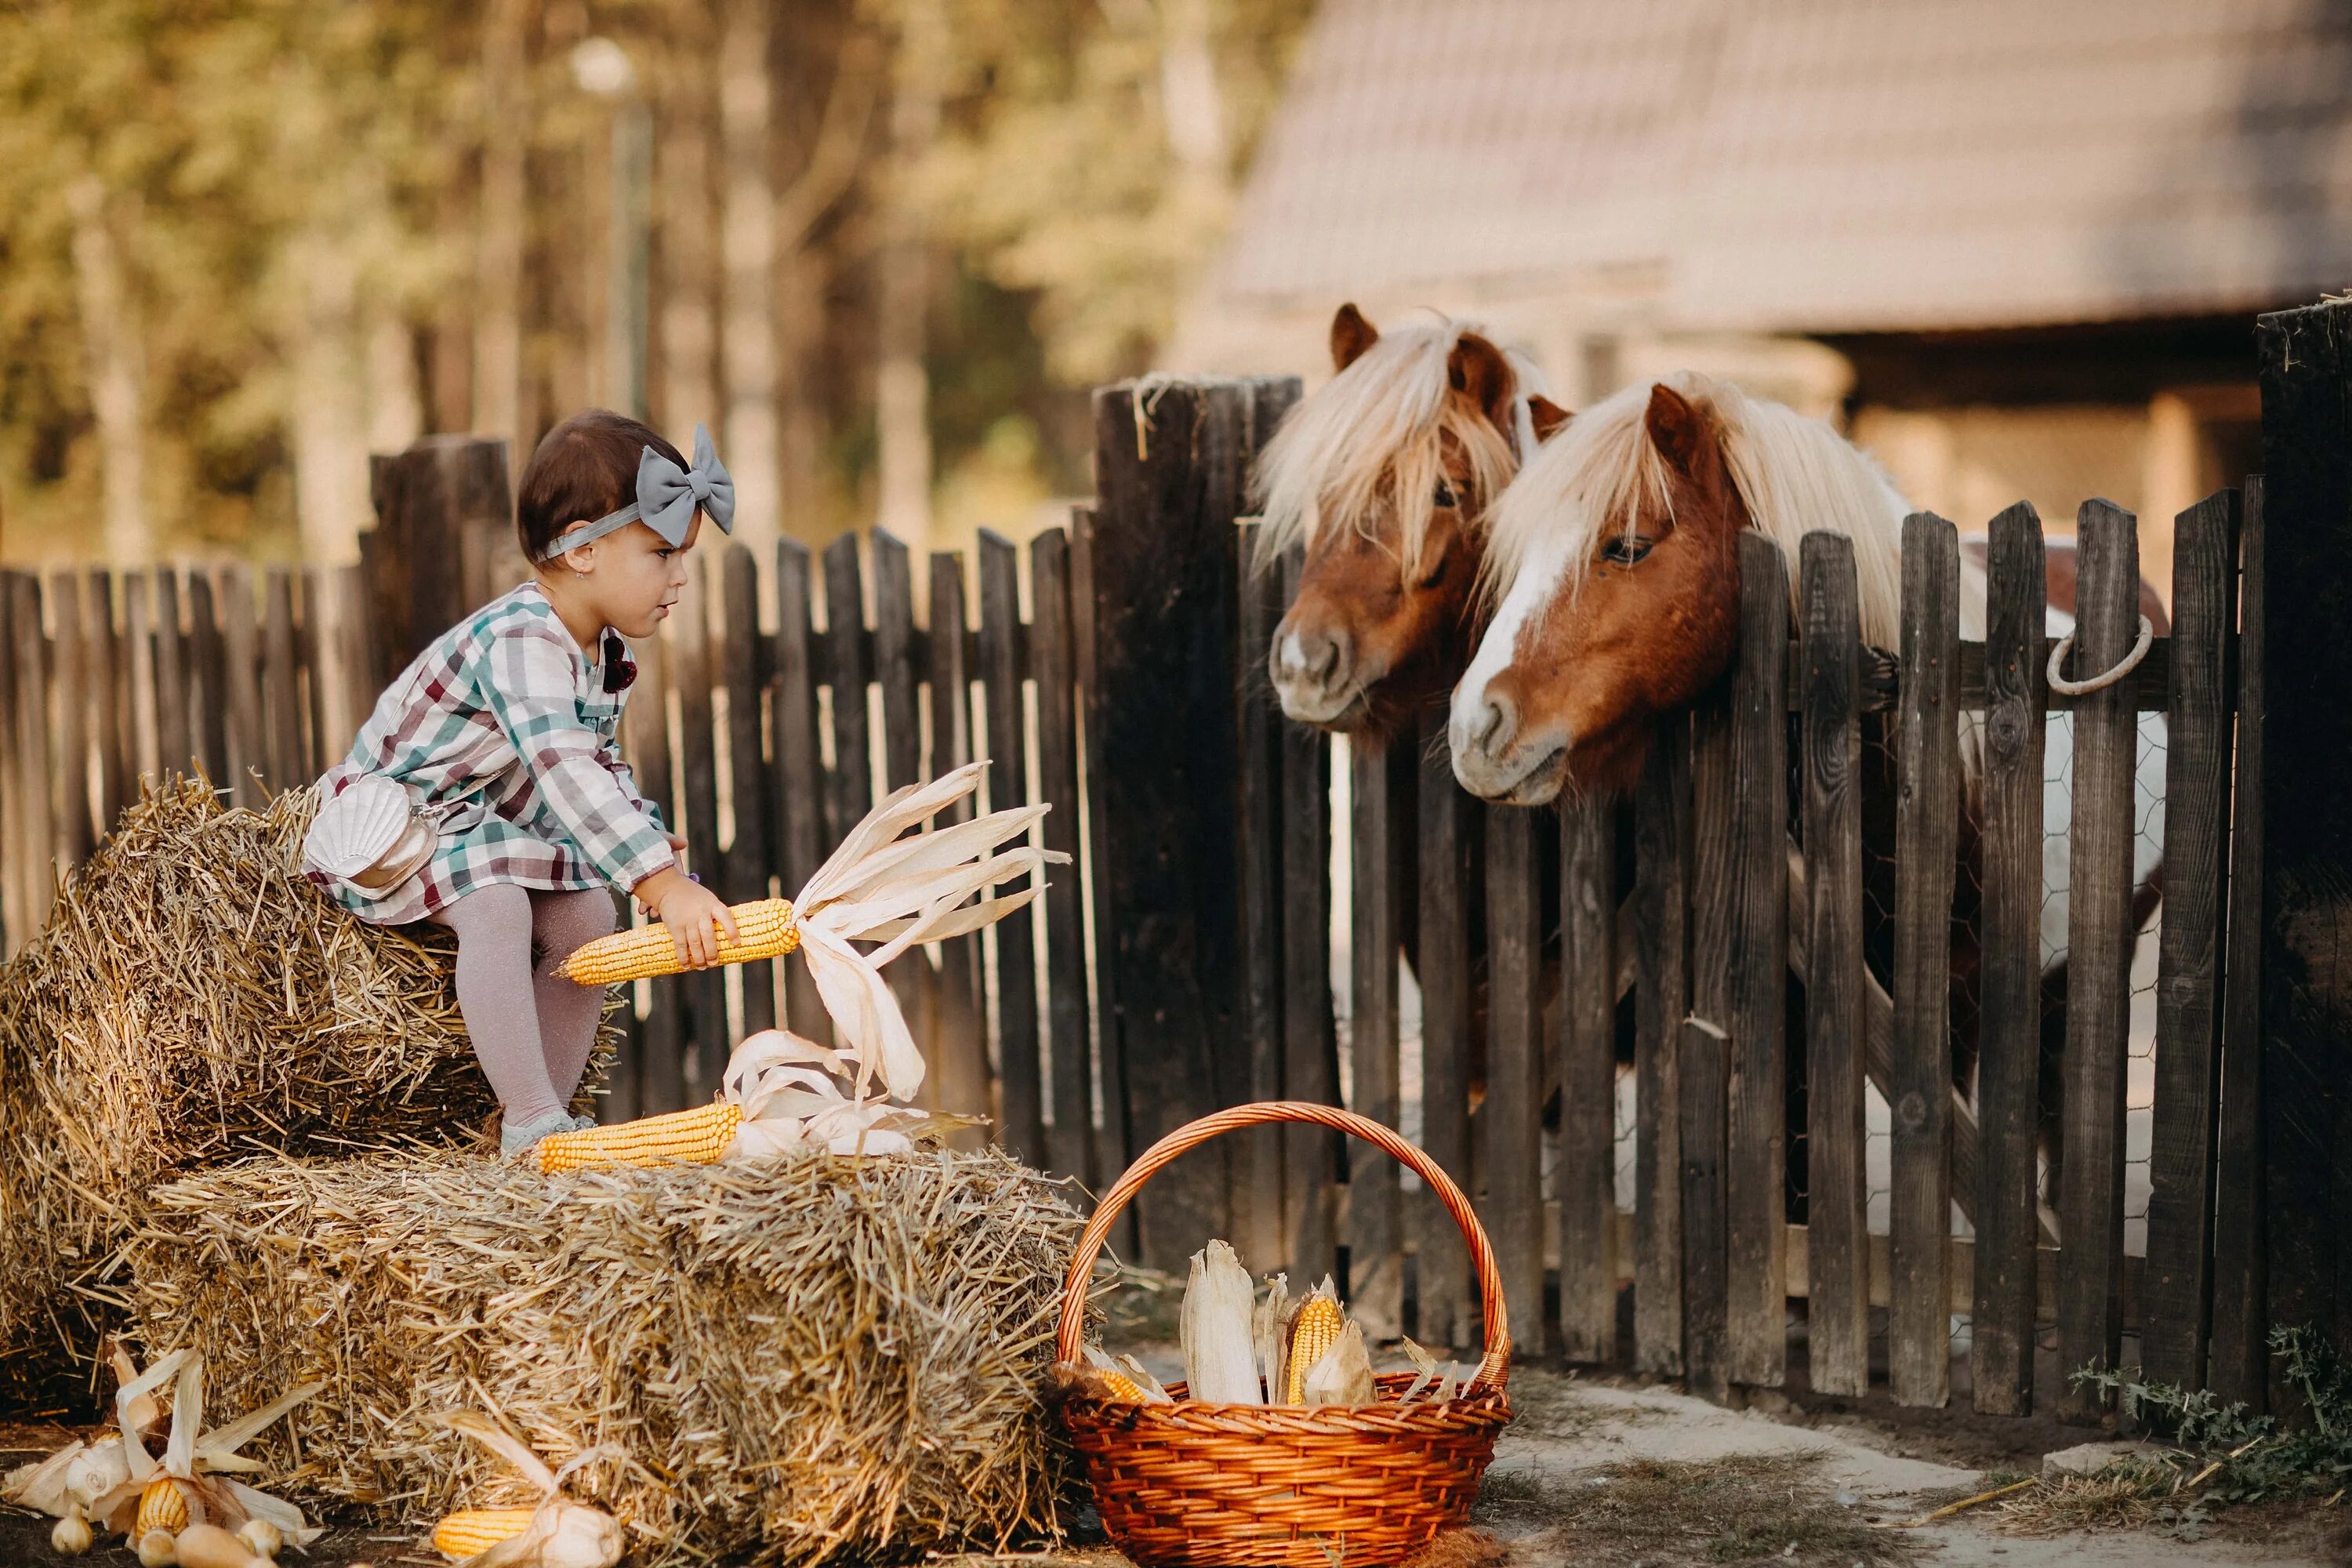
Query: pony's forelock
x=1374 y=436
x=1795 y=474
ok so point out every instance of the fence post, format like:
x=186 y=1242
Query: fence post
x=1171 y=469
x=441 y=503
x=2306 y=1068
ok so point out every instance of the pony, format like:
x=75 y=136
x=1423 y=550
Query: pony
x=1612 y=583
x=1384 y=475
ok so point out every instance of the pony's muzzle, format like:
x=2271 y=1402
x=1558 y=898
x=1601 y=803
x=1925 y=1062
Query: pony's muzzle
x=1313 y=669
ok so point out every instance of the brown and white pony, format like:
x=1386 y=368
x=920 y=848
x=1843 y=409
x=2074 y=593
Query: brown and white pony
x=1613 y=567
x=1385 y=475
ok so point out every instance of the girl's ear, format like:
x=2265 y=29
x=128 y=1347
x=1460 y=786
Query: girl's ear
x=580 y=558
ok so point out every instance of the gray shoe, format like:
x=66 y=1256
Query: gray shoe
x=515 y=1142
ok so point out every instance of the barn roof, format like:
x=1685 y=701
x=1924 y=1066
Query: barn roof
x=1811 y=166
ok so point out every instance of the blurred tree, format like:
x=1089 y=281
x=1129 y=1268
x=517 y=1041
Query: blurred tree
x=244 y=242
x=1093 y=150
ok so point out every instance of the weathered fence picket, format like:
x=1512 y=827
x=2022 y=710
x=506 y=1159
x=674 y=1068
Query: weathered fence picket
x=1585 y=1043
x=1451 y=861
x=1757 y=1130
x=1660 y=902
x=2099 y=946
x=1927 y=842
x=1836 y=1197
x=2189 y=965
x=2009 y=1011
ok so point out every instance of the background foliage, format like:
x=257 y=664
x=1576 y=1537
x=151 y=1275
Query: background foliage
x=291 y=190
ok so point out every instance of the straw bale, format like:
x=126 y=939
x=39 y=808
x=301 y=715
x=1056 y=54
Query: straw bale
x=193 y=999
x=805 y=1360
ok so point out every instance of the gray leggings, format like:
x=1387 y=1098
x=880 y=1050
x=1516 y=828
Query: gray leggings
x=532 y=1028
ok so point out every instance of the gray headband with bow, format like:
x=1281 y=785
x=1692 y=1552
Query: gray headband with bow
x=666 y=497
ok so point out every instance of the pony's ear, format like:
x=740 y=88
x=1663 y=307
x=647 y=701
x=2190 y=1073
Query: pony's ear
x=1477 y=369
x=1351 y=336
x=1676 y=429
x=1548 y=417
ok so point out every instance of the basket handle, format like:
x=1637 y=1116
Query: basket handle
x=1494 y=1372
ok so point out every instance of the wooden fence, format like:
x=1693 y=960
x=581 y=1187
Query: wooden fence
x=1723 y=906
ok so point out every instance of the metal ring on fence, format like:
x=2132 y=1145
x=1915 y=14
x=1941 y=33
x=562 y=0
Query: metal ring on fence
x=2123 y=666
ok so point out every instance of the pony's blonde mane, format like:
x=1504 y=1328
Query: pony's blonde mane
x=1373 y=437
x=1796 y=474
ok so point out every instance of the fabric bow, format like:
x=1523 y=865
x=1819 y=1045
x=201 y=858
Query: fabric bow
x=667 y=494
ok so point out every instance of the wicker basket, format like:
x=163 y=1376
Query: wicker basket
x=1202 y=1485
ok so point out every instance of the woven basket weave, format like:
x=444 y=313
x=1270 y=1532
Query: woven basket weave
x=1201 y=1485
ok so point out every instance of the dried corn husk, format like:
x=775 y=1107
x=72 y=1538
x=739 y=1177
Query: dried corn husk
x=791 y=1091
x=1123 y=1379
x=1270 y=1327
x=903 y=892
x=1219 y=1362
x=1152 y=1392
x=1344 y=1374
x=561 y=1534
x=194 y=1460
x=70 y=1537
x=1424 y=1366
x=210 y=1546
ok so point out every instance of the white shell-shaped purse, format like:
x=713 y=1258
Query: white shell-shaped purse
x=371 y=836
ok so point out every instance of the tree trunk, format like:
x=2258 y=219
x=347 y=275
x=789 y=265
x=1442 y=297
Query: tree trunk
x=748 y=250
x=327 y=420
x=396 y=399
x=497 y=303
x=902 y=390
x=689 y=283
x=115 y=359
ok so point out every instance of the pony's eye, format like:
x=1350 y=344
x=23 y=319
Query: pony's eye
x=1625 y=549
x=1445 y=497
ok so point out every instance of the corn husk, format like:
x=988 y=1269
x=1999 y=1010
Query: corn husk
x=561 y=1534
x=1152 y=1392
x=1269 y=1329
x=901 y=893
x=196 y=1462
x=1123 y=1379
x=70 y=1536
x=1220 y=1360
x=210 y=1546
x=1344 y=1374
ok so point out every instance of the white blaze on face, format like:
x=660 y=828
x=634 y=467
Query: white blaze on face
x=1538 y=580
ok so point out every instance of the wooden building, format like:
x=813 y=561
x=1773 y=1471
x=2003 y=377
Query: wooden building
x=2016 y=245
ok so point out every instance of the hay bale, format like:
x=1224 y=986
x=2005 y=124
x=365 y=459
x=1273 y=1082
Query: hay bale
x=193 y=999
x=808 y=1360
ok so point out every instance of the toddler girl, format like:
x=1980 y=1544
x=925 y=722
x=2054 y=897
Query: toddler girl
x=521 y=813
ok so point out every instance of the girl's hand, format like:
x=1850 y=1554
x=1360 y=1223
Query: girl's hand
x=694 y=914
x=647 y=892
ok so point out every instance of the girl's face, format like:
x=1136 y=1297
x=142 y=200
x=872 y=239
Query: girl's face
x=634 y=576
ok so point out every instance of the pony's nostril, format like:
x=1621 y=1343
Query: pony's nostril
x=1494 y=733
x=1322 y=656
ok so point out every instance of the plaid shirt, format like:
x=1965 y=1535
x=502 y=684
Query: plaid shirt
x=504 y=729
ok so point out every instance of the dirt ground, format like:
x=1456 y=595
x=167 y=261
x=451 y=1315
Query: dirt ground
x=1603 y=1474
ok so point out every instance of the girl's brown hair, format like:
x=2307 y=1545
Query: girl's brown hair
x=585 y=468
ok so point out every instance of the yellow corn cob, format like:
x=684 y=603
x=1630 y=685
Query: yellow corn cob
x=1124 y=1386
x=162 y=1506
x=643 y=952
x=1314 y=1329
x=699 y=1136
x=473 y=1530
